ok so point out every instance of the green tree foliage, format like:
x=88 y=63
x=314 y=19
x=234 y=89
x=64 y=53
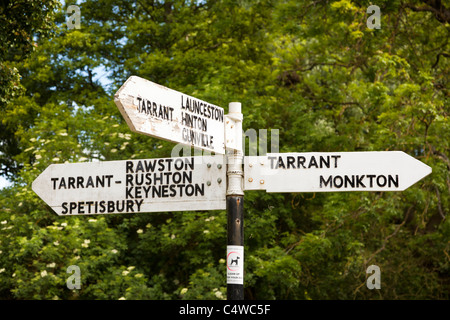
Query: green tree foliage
x=312 y=69
x=22 y=23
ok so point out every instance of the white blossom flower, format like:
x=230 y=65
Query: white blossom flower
x=219 y=294
x=122 y=298
x=64 y=224
x=139 y=275
x=183 y=291
x=114 y=251
x=56 y=243
x=44 y=273
x=125 y=272
x=51 y=265
x=140 y=231
x=86 y=242
x=2 y=270
x=4 y=222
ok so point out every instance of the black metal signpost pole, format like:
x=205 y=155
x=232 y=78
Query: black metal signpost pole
x=235 y=207
x=235 y=211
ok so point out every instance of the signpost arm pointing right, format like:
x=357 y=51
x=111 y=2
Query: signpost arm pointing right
x=235 y=206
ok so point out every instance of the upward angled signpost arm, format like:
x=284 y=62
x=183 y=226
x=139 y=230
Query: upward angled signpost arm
x=161 y=112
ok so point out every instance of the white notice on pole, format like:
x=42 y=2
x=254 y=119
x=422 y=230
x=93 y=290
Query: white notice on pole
x=235 y=264
x=160 y=112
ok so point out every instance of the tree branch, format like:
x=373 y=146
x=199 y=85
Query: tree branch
x=441 y=212
x=437 y=58
x=390 y=236
x=441 y=13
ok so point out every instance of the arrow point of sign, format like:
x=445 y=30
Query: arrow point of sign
x=417 y=169
x=38 y=185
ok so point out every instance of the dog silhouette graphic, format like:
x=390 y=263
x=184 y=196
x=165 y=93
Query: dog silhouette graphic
x=235 y=261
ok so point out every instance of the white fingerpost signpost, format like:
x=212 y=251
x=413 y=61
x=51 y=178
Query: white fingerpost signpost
x=213 y=182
